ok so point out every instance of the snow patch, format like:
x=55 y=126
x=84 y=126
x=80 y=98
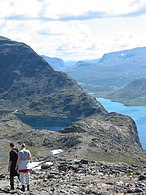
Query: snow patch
x=37 y=165
x=57 y=151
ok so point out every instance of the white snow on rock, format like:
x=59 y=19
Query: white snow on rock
x=37 y=165
x=57 y=151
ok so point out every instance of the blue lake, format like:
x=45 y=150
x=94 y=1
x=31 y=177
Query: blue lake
x=44 y=122
x=137 y=113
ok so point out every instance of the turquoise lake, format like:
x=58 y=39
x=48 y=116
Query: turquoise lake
x=137 y=113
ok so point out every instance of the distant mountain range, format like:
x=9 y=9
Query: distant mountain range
x=60 y=65
x=113 y=71
x=106 y=76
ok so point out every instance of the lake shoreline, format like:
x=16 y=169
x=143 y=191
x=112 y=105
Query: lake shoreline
x=137 y=113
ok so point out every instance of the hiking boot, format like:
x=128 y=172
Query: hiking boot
x=23 y=188
x=27 y=187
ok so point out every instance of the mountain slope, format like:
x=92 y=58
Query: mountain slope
x=30 y=85
x=132 y=94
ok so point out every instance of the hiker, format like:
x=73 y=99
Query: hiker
x=23 y=164
x=13 y=156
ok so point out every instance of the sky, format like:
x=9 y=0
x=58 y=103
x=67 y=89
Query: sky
x=75 y=29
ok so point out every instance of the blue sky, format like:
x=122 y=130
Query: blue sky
x=75 y=29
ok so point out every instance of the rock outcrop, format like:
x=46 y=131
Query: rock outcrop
x=30 y=85
x=107 y=137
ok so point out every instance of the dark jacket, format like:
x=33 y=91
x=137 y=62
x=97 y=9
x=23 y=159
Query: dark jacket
x=13 y=156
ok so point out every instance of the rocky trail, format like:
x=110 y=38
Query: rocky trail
x=67 y=177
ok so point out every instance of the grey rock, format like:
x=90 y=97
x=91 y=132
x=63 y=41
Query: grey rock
x=142 y=177
x=45 y=166
x=50 y=176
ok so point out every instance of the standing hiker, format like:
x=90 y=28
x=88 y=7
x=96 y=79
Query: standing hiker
x=13 y=156
x=23 y=164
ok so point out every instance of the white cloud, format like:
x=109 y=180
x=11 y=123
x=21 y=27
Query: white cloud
x=57 y=9
x=74 y=28
x=19 y=8
x=68 y=8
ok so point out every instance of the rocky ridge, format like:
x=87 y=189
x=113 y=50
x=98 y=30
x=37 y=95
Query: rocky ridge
x=84 y=166
x=113 y=138
x=30 y=85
